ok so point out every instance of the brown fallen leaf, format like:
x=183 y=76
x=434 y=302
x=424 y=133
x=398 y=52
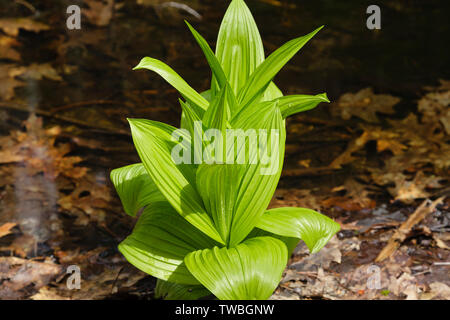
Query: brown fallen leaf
x=36 y=148
x=88 y=201
x=364 y=104
x=11 y=75
x=11 y=26
x=328 y=254
x=100 y=12
x=407 y=191
x=435 y=108
x=356 y=197
x=6 y=48
x=46 y=294
x=16 y=275
x=439 y=290
x=5 y=229
x=405 y=228
x=8 y=83
x=36 y=72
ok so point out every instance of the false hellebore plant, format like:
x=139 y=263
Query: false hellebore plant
x=205 y=228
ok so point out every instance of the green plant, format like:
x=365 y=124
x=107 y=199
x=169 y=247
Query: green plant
x=205 y=227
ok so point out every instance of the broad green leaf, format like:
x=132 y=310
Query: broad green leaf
x=184 y=123
x=272 y=92
x=154 y=144
x=239 y=45
x=217 y=184
x=292 y=104
x=174 y=291
x=195 y=127
x=214 y=64
x=313 y=228
x=290 y=242
x=258 y=179
x=249 y=271
x=207 y=95
x=218 y=113
x=190 y=117
x=160 y=241
x=263 y=75
x=199 y=103
x=135 y=187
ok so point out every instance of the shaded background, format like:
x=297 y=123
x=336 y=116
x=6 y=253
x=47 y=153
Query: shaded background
x=367 y=160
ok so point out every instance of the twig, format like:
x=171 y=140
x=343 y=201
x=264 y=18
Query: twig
x=400 y=235
x=106 y=130
x=26 y=4
x=183 y=7
x=83 y=103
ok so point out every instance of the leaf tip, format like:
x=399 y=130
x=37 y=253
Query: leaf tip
x=324 y=97
x=140 y=64
x=132 y=122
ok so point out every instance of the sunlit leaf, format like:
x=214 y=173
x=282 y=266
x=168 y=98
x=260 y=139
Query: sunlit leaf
x=217 y=115
x=174 y=291
x=154 y=144
x=313 y=228
x=263 y=75
x=249 y=271
x=290 y=242
x=199 y=103
x=214 y=64
x=239 y=45
x=218 y=184
x=135 y=187
x=259 y=179
x=160 y=241
x=292 y=104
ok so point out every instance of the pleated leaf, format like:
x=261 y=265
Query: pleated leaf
x=258 y=180
x=314 y=228
x=218 y=113
x=135 y=187
x=272 y=92
x=292 y=104
x=214 y=64
x=154 y=145
x=290 y=242
x=239 y=45
x=263 y=75
x=190 y=117
x=199 y=103
x=174 y=291
x=187 y=122
x=160 y=241
x=218 y=184
x=249 y=271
